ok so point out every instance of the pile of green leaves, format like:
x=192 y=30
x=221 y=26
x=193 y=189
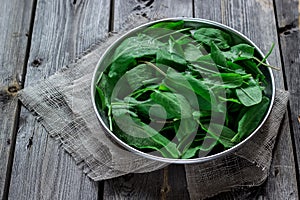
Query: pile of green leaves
x=181 y=91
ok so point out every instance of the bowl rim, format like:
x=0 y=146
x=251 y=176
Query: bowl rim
x=172 y=160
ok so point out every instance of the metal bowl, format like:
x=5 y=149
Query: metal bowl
x=191 y=22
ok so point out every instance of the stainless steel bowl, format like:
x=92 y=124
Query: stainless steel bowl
x=193 y=22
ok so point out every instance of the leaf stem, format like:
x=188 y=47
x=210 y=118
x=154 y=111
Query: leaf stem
x=202 y=68
x=99 y=78
x=235 y=138
x=207 y=131
x=261 y=62
x=156 y=68
x=109 y=118
x=183 y=37
x=163 y=122
x=178 y=31
x=140 y=92
x=246 y=76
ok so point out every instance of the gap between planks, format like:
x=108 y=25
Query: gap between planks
x=285 y=81
x=18 y=109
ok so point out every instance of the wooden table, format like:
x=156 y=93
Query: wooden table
x=38 y=37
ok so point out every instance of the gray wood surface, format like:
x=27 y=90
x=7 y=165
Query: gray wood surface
x=150 y=9
x=134 y=186
x=168 y=183
x=62 y=30
x=14 y=26
x=282 y=183
x=246 y=16
x=288 y=12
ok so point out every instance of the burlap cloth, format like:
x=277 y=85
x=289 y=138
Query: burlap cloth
x=63 y=106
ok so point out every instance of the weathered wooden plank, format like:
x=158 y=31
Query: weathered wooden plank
x=281 y=183
x=150 y=9
x=168 y=183
x=14 y=26
x=42 y=169
x=177 y=185
x=245 y=16
x=134 y=186
x=288 y=16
